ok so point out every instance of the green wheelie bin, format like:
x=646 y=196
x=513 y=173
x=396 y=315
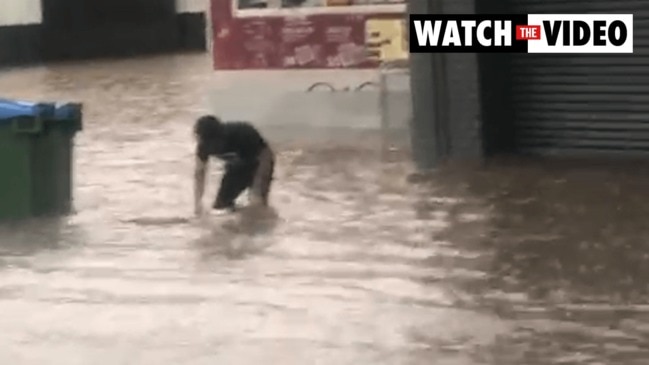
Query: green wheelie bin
x=36 y=165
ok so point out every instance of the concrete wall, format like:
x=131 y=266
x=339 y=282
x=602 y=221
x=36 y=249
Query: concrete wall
x=35 y=31
x=20 y=12
x=428 y=137
x=464 y=115
x=447 y=98
x=278 y=101
x=192 y=6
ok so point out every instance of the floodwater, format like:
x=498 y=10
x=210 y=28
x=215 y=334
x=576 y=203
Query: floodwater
x=512 y=264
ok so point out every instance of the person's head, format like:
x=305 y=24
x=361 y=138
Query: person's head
x=208 y=128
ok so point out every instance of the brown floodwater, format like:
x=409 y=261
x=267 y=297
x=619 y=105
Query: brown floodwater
x=512 y=263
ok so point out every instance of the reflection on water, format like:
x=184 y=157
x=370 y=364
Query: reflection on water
x=513 y=264
x=568 y=260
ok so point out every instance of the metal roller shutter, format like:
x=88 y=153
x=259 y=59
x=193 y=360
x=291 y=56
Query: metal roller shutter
x=583 y=104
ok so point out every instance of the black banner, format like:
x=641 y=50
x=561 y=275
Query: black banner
x=86 y=14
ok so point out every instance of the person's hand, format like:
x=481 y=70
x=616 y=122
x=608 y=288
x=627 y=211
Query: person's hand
x=198 y=210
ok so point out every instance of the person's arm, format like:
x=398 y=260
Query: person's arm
x=200 y=172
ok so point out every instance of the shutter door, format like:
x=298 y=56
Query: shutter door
x=583 y=104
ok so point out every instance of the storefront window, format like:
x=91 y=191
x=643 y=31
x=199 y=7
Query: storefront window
x=279 y=4
x=289 y=4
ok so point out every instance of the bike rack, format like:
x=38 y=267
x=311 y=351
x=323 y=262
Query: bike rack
x=321 y=83
x=361 y=87
x=367 y=84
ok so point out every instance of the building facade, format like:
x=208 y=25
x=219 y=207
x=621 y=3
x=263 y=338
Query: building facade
x=543 y=105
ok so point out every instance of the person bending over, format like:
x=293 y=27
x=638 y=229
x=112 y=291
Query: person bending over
x=249 y=161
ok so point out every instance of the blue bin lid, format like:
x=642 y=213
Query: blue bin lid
x=67 y=111
x=14 y=108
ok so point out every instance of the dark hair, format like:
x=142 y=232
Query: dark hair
x=207 y=126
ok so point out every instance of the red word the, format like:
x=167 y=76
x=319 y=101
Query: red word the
x=527 y=32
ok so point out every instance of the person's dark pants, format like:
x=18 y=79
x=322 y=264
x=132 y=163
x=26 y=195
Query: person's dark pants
x=255 y=175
